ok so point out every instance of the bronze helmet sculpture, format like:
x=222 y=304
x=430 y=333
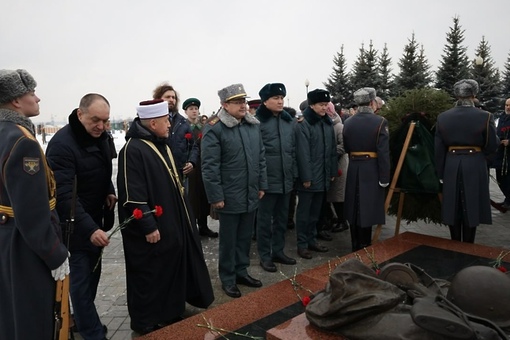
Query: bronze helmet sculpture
x=484 y=292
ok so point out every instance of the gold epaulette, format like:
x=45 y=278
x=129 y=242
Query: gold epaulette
x=213 y=120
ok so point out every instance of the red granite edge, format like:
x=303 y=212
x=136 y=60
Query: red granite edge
x=239 y=312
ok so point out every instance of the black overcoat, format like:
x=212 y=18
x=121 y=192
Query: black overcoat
x=465 y=126
x=30 y=244
x=316 y=156
x=279 y=140
x=366 y=132
x=161 y=276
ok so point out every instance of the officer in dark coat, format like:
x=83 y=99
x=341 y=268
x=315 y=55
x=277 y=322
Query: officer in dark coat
x=465 y=135
x=234 y=173
x=165 y=266
x=81 y=151
x=317 y=167
x=367 y=143
x=277 y=130
x=185 y=157
x=32 y=256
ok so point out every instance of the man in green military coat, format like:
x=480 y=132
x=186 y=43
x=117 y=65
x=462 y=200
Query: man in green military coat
x=234 y=174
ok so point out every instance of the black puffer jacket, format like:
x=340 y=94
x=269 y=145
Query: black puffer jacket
x=72 y=151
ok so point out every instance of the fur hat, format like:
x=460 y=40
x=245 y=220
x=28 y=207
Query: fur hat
x=152 y=109
x=15 y=84
x=364 y=95
x=190 y=101
x=303 y=105
x=271 y=90
x=465 y=88
x=231 y=92
x=318 y=96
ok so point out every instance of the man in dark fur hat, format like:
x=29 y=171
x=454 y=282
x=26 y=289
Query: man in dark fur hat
x=276 y=128
x=317 y=166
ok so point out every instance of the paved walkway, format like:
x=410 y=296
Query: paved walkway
x=111 y=296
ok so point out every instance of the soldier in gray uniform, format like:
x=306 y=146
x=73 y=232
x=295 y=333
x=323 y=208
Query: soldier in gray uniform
x=367 y=143
x=465 y=135
x=234 y=174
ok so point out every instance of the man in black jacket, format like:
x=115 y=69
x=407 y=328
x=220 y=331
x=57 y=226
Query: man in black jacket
x=80 y=152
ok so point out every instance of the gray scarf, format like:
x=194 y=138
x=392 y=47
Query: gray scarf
x=7 y=115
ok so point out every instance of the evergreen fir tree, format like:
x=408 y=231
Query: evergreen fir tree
x=414 y=69
x=487 y=76
x=425 y=77
x=386 y=87
x=338 y=82
x=364 y=72
x=505 y=84
x=455 y=63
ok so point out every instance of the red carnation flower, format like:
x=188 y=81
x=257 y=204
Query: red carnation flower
x=200 y=135
x=339 y=172
x=377 y=271
x=502 y=269
x=305 y=300
x=137 y=214
x=159 y=210
x=188 y=136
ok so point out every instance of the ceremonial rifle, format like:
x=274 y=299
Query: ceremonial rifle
x=61 y=310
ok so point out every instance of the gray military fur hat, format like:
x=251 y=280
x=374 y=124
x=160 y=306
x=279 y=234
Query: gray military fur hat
x=15 y=84
x=364 y=95
x=230 y=92
x=465 y=88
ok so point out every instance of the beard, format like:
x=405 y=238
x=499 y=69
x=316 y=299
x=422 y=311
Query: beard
x=172 y=107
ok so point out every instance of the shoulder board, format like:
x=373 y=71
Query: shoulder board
x=214 y=120
x=26 y=132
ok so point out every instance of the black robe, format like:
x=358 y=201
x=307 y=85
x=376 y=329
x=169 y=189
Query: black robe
x=162 y=276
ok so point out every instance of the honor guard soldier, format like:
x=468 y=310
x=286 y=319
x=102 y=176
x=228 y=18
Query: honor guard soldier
x=32 y=256
x=465 y=135
x=366 y=140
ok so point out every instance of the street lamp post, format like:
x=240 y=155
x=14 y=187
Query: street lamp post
x=307 y=83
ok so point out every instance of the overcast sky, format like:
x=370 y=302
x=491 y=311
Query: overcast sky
x=124 y=49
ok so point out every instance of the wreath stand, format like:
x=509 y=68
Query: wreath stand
x=393 y=188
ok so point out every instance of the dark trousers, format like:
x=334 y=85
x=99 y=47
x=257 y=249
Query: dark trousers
x=326 y=216
x=504 y=184
x=339 y=211
x=83 y=288
x=460 y=231
x=234 y=245
x=271 y=225
x=361 y=236
x=307 y=215
x=292 y=207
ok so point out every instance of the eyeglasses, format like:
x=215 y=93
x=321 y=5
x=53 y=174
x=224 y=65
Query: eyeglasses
x=238 y=102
